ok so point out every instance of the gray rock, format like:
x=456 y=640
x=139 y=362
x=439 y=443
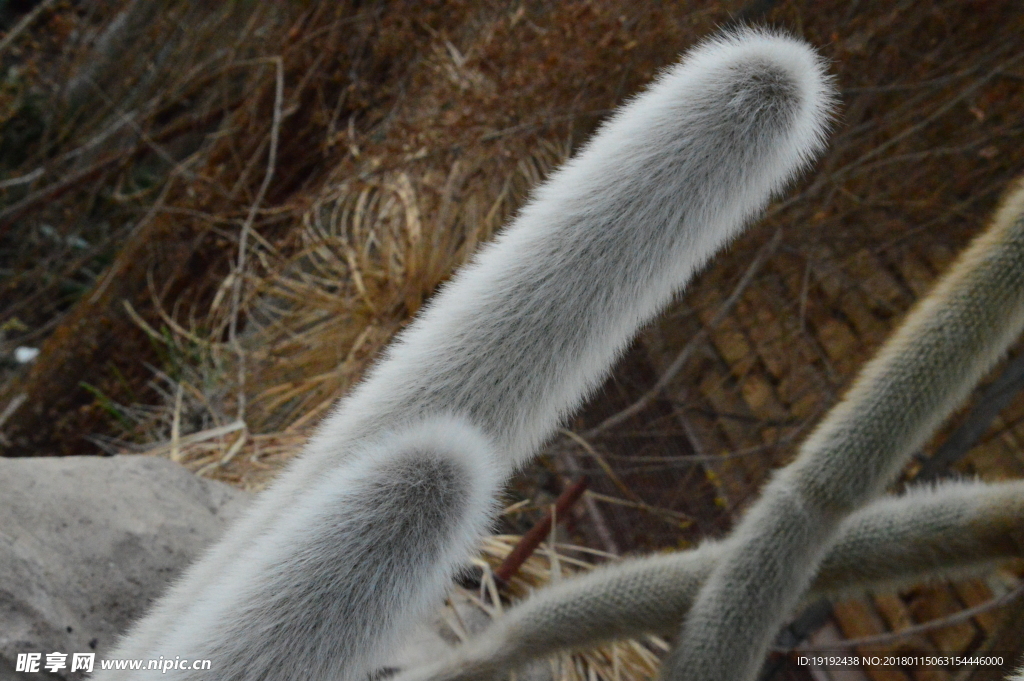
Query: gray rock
x=87 y=544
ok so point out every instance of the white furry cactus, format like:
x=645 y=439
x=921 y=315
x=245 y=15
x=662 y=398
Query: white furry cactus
x=506 y=350
x=952 y=530
x=921 y=374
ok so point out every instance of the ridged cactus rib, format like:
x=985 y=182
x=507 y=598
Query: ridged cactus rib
x=925 y=370
x=953 y=530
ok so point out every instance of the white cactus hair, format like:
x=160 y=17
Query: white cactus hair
x=949 y=530
x=924 y=371
x=338 y=562
x=954 y=529
x=361 y=536
x=363 y=532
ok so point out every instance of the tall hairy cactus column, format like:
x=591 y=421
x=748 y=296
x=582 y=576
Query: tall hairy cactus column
x=504 y=352
x=942 y=349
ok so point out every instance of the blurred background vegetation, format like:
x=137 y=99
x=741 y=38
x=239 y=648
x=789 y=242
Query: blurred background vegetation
x=214 y=215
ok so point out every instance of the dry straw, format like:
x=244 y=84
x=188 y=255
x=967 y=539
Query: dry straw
x=397 y=137
x=624 y=660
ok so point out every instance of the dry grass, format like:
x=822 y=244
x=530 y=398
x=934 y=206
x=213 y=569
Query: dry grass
x=634 y=660
x=213 y=231
x=371 y=253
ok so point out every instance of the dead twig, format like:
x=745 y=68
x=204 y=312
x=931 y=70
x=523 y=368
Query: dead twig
x=930 y=625
x=532 y=539
x=25 y=22
x=243 y=239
